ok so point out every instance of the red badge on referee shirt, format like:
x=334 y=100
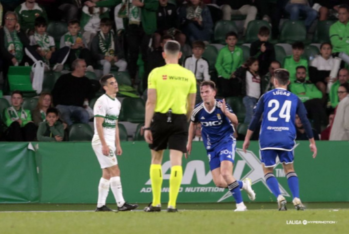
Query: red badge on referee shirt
x=164 y=77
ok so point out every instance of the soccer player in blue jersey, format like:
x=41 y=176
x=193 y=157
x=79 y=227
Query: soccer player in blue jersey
x=217 y=120
x=278 y=109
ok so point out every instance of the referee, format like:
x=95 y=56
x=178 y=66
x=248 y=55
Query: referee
x=171 y=99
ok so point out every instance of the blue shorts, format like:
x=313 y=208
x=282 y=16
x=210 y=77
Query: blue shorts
x=268 y=157
x=224 y=152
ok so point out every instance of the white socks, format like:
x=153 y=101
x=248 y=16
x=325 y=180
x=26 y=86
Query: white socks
x=103 y=190
x=115 y=184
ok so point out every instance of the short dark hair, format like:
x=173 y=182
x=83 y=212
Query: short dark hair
x=264 y=31
x=166 y=37
x=106 y=21
x=344 y=6
x=250 y=61
x=301 y=67
x=172 y=47
x=105 y=78
x=52 y=110
x=282 y=75
x=40 y=21
x=231 y=34
x=326 y=43
x=209 y=83
x=346 y=86
x=74 y=21
x=17 y=92
x=275 y=61
x=199 y=44
x=298 y=45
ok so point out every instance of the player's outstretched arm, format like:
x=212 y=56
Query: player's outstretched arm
x=190 y=139
x=117 y=140
x=313 y=147
x=149 y=113
x=247 y=140
x=190 y=104
x=99 y=125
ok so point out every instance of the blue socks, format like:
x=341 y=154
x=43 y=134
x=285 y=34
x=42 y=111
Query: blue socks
x=234 y=188
x=272 y=184
x=293 y=183
x=240 y=184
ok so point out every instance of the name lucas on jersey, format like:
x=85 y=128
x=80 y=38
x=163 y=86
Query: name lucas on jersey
x=282 y=92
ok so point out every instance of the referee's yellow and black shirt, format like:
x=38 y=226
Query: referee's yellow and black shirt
x=173 y=84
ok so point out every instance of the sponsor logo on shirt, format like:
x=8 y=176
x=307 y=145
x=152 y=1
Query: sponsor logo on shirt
x=164 y=77
x=278 y=129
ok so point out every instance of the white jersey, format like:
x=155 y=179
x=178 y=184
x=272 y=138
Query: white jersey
x=109 y=109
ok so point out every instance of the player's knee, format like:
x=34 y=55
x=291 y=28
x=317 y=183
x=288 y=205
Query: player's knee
x=220 y=184
x=226 y=173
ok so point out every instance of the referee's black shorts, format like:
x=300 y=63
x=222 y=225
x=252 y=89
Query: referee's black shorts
x=171 y=135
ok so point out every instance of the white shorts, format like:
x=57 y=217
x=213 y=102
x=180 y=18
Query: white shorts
x=105 y=161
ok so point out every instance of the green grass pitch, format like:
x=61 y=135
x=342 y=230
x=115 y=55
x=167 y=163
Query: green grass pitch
x=192 y=218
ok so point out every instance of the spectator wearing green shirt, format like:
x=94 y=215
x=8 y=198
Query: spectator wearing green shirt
x=229 y=59
x=311 y=96
x=27 y=13
x=343 y=77
x=51 y=129
x=339 y=31
x=295 y=60
x=19 y=121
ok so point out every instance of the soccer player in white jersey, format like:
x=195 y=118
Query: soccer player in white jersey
x=106 y=144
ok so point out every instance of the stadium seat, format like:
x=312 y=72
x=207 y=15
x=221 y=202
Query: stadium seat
x=246 y=51
x=238 y=107
x=310 y=52
x=19 y=79
x=80 y=132
x=4 y=104
x=122 y=132
x=57 y=29
x=322 y=32
x=50 y=79
x=123 y=78
x=30 y=103
x=132 y=110
x=210 y=54
x=253 y=29
x=138 y=136
x=91 y=75
x=292 y=31
x=1 y=94
x=92 y=102
x=280 y=54
x=222 y=28
x=242 y=128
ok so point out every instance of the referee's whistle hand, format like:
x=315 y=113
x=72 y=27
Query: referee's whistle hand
x=148 y=137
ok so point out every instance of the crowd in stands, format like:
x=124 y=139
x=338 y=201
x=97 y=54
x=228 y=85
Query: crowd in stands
x=129 y=36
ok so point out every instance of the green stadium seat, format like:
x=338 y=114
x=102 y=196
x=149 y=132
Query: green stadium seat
x=138 y=136
x=253 y=29
x=242 y=128
x=80 y=132
x=292 y=31
x=4 y=104
x=238 y=17
x=30 y=103
x=122 y=132
x=133 y=110
x=91 y=75
x=222 y=28
x=238 y=107
x=1 y=94
x=50 y=78
x=322 y=32
x=57 y=29
x=19 y=79
x=123 y=78
x=92 y=102
x=246 y=51
x=210 y=54
x=280 y=54
x=310 y=52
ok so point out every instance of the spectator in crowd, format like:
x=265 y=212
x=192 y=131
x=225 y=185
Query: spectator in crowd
x=44 y=103
x=71 y=94
x=251 y=88
x=105 y=48
x=46 y=48
x=155 y=58
x=297 y=7
x=229 y=59
x=58 y=10
x=239 y=7
x=196 y=21
x=339 y=31
x=263 y=50
x=276 y=17
x=197 y=64
x=167 y=18
x=295 y=60
x=51 y=129
x=310 y=96
x=326 y=6
x=19 y=120
x=340 y=127
x=91 y=20
x=301 y=135
x=343 y=77
x=268 y=80
x=321 y=66
x=27 y=13
x=78 y=47
x=266 y=8
x=14 y=46
x=325 y=134
x=142 y=24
